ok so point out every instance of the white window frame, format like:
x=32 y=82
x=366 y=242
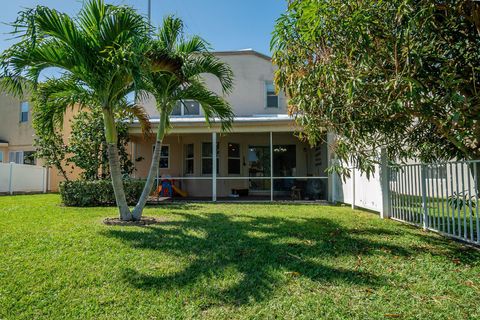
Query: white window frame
x=22 y=112
x=12 y=157
x=265 y=89
x=168 y=157
x=182 y=109
x=185 y=159
x=211 y=158
x=239 y=158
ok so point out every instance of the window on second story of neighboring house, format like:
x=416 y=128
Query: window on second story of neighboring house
x=24 y=107
x=186 y=108
x=271 y=97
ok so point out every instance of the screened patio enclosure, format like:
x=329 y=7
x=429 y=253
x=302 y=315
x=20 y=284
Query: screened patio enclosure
x=265 y=166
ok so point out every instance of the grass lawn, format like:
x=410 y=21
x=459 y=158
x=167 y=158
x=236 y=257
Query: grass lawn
x=228 y=261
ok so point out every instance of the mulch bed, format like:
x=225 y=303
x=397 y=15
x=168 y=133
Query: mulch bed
x=144 y=221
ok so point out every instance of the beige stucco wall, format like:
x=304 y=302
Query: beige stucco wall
x=249 y=95
x=19 y=135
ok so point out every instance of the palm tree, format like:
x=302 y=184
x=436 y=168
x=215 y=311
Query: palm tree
x=102 y=54
x=170 y=88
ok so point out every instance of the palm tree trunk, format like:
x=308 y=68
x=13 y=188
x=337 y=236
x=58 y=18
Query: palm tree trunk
x=137 y=212
x=115 y=171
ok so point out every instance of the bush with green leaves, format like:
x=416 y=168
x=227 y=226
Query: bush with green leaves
x=83 y=193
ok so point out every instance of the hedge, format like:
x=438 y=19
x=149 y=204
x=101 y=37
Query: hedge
x=83 y=193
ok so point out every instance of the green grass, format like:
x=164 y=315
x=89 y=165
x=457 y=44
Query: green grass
x=228 y=261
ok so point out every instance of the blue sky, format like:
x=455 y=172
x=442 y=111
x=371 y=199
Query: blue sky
x=226 y=24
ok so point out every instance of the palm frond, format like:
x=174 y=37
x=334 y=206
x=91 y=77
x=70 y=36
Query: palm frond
x=209 y=64
x=170 y=32
x=193 y=45
x=212 y=105
x=133 y=110
x=53 y=97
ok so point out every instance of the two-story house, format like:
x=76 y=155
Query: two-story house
x=16 y=132
x=262 y=137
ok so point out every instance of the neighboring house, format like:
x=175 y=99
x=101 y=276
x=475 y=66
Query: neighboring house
x=17 y=136
x=16 y=132
x=243 y=162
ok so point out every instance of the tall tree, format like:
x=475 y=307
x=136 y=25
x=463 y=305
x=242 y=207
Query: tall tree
x=402 y=75
x=168 y=89
x=102 y=54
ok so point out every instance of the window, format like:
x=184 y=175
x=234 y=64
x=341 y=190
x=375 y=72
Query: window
x=24 y=107
x=15 y=156
x=1 y=156
x=207 y=158
x=437 y=172
x=186 y=108
x=22 y=157
x=271 y=96
x=164 y=156
x=189 y=158
x=233 y=158
x=29 y=157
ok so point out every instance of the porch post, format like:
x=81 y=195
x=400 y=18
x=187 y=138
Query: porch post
x=271 y=166
x=214 y=166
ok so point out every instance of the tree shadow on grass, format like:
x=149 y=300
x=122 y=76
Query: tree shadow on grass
x=265 y=252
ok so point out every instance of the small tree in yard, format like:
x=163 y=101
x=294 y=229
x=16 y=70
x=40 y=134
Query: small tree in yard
x=52 y=150
x=168 y=89
x=103 y=54
x=88 y=147
x=402 y=75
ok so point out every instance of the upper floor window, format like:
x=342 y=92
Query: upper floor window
x=271 y=96
x=164 y=156
x=186 y=108
x=24 y=107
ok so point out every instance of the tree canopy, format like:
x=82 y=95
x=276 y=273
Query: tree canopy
x=402 y=75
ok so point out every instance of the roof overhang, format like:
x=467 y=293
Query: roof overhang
x=261 y=123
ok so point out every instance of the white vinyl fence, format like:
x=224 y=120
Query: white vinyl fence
x=442 y=197
x=358 y=190
x=19 y=178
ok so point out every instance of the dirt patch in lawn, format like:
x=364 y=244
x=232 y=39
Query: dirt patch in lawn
x=144 y=221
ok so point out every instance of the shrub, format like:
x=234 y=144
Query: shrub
x=87 y=193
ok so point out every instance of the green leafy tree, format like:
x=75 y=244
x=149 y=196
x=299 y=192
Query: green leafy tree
x=400 y=75
x=51 y=149
x=88 y=146
x=168 y=89
x=102 y=53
